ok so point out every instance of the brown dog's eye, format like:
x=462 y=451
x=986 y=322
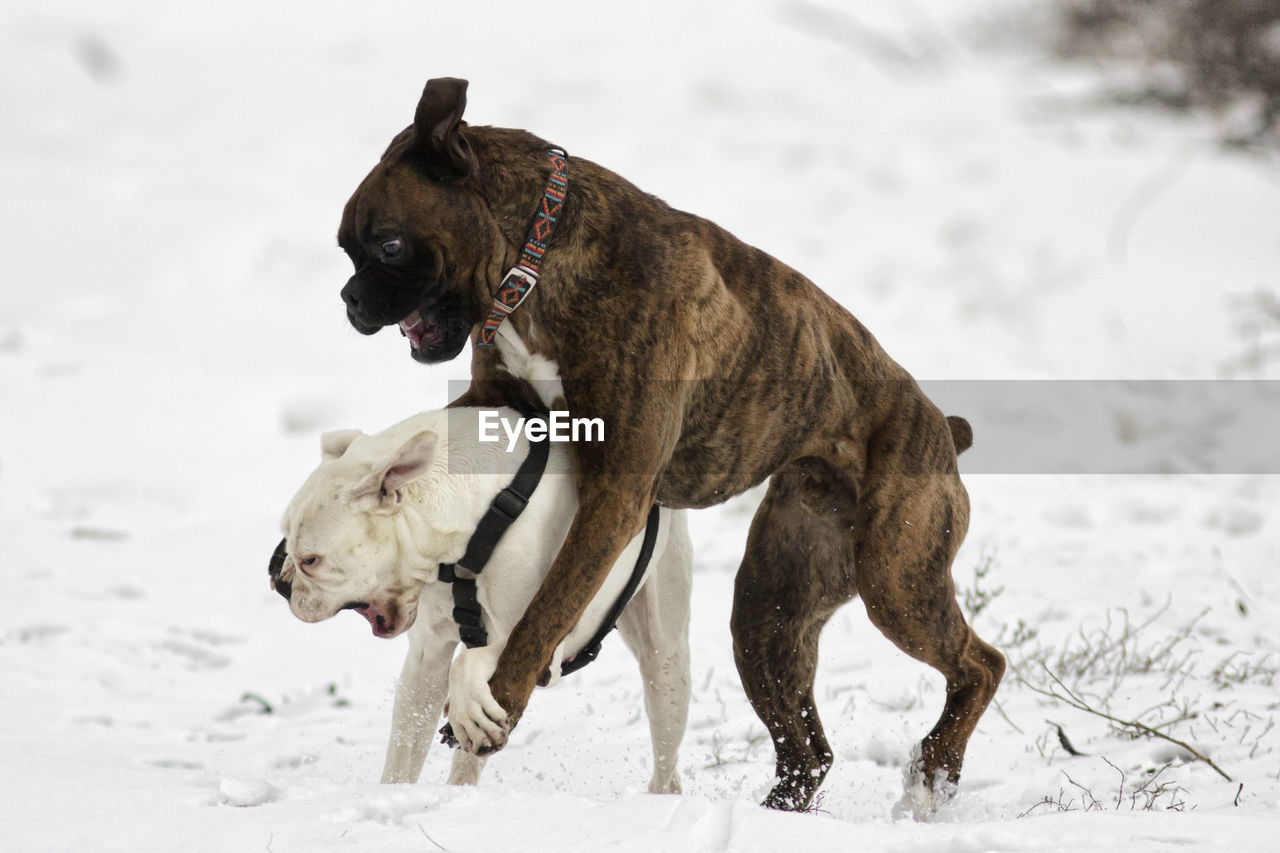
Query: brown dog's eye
x=391 y=248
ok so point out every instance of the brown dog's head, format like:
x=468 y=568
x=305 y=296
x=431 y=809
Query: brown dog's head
x=421 y=239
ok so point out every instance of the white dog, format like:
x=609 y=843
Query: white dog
x=369 y=528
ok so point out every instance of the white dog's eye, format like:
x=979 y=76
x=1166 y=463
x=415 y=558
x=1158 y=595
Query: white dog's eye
x=306 y=563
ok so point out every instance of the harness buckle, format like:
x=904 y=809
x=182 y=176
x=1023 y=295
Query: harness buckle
x=584 y=657
x=510 y=503
x=467 y=618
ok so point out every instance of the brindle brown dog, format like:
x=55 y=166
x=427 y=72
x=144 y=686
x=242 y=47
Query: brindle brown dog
x=715 y=367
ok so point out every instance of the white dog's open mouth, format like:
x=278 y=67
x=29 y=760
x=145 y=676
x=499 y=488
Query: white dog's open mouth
x=422 y=332
x=383 y=619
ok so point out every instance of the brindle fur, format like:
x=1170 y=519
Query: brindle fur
x=715 y=367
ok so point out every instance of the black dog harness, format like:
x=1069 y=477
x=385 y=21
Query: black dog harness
x=501 y=514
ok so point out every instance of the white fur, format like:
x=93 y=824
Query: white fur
x=540 y=372
x=383 y=545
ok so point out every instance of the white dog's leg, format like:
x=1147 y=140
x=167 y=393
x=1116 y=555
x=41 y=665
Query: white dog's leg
x=420 y=695
x=466 y=768
x=475 y=715
x=655 y=626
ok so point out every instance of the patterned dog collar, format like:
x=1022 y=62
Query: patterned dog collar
x=523 y=277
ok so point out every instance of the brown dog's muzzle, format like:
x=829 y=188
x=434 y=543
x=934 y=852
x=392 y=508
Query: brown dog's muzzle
x=369 y=309
x=359 y=326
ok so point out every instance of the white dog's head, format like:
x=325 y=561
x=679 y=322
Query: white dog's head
x=344 y=547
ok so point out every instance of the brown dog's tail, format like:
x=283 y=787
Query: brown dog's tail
x=961 y=433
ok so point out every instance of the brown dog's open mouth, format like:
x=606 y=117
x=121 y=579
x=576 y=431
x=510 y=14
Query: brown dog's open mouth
x=436 y=334
x=422 y=332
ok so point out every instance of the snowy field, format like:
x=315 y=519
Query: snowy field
x=172 y=342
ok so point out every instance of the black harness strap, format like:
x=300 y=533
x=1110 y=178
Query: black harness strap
x=504 y=510
x=592 y=649
x=501 y=514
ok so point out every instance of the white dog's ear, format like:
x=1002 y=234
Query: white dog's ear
x=410 y=462
x=334 y=444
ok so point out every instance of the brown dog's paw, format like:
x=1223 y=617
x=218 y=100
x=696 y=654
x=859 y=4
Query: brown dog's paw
x=495 y=743
x=512 y=695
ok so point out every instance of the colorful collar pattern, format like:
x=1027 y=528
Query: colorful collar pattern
x=523 y=277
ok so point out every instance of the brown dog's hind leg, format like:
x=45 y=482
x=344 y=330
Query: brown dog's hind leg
x=912 y=526
x=795 y=573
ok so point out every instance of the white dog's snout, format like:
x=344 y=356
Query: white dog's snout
x=306 y=607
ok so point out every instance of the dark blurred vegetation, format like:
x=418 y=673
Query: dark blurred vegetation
x=1222 y=55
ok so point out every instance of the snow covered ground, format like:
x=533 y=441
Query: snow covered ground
x=172 y=342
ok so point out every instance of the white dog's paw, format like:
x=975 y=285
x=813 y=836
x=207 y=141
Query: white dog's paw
x=920 y=799
x=477 y=720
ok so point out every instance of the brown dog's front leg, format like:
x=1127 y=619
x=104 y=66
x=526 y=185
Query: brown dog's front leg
x=608 y=518
x=617 y=484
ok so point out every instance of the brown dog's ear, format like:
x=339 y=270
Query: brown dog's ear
x=437 y=130
x=385 y=485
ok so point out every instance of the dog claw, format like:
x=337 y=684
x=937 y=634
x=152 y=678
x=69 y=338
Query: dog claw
x=487 y=747
x=497 y=741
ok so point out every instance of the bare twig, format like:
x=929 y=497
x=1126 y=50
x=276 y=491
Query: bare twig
x=432 y=840
x=887 y=54
x=1143 y=196
x=1066 y=743
x=1046 y=800
x=1075 y=701
x=1085 y=792
x=254 y=697
x=1012 y=724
